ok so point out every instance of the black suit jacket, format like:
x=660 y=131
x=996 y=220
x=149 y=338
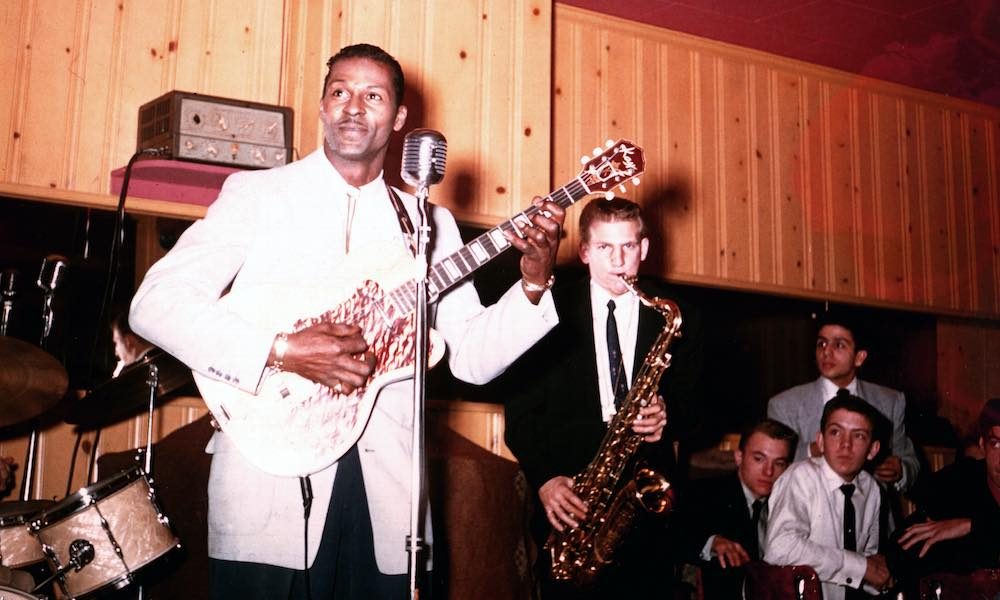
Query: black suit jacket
x=553 y=417
x=718 y=507
x=554 y=425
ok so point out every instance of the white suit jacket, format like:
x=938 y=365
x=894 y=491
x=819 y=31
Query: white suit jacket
x=278 y=234
x=801 y=408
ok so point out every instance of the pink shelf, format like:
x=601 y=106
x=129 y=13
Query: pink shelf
x=173 y=180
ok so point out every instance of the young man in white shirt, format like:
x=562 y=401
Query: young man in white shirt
x=809 y=502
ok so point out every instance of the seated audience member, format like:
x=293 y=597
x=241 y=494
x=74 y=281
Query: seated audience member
x=727 y=516
x=961 y=505
x=824 y=510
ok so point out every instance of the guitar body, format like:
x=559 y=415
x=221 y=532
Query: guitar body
x=293 y=426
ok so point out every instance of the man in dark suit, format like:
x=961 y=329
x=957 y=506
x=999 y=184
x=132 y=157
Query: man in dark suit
x=727 y=516
x=960 y=504
x=556 y=421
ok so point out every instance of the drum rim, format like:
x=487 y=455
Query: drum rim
x=23 y=518
x=19 y=593
x=87 y=496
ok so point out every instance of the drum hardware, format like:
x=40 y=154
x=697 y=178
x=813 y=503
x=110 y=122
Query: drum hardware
x=50 y=277
x=127 y=394
x=81 y=554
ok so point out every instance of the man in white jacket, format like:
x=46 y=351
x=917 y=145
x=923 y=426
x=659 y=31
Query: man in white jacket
x=287 y=243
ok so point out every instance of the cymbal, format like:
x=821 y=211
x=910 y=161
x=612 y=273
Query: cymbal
x=128 y=394
x=31 y=381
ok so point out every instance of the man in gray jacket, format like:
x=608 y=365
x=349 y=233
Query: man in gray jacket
x=840 y=352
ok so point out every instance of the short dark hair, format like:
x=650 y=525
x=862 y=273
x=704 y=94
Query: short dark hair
x=610 y=211
x=776 y=430
x=370 y=52
x=849 y=402
x=989 y=417
x=849 y=320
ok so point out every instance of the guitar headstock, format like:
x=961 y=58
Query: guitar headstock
x=618 y=163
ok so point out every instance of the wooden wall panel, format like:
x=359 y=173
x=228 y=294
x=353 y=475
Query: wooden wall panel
x=802 y=180
x=968 y=369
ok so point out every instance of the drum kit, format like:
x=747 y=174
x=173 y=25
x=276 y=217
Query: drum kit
x=98 y=539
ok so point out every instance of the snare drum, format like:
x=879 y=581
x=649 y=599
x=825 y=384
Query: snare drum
x=120 y=518
x=9 y=593
x=18 y=548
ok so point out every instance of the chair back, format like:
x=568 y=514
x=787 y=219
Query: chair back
x=792 y=582
x=982 y=584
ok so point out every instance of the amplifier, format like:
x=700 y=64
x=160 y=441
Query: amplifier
x=222 y=131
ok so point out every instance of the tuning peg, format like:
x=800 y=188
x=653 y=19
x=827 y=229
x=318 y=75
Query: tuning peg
x=608 y=195
x=584 y=159
x=596 y=151
x=635 y=181
x=609 y=143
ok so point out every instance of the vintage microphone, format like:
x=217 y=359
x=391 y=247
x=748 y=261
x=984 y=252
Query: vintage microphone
x=8 y=289
x=50 y=277
x=424 y=153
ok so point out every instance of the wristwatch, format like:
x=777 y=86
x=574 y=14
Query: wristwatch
x=534 y=287
x=280 y=346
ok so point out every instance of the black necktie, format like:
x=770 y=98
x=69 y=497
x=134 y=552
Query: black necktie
x=850 y=541
x=619 y=382
x=757 y=539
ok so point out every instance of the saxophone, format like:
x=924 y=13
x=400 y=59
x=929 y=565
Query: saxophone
x=579 y=553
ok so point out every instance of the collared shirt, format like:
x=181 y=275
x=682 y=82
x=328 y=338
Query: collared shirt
x=627 y=318
x=806 y=525
x=830 y=388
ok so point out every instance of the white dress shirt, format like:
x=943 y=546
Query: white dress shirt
x=806 y=524
x=627 y=319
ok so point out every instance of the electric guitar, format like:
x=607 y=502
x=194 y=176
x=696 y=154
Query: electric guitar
x=295 y=427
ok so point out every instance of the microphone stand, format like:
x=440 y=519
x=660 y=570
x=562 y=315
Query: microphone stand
x=414 y=541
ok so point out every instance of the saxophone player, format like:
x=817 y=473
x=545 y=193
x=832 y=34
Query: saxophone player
x=555 y=424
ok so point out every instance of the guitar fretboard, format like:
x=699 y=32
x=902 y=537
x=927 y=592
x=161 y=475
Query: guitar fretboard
x=462 y=263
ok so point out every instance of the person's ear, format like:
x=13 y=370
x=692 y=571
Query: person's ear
x=400 y=120
x=874 y=449
x=643 y=248
x=738 y=456
x=859 y=358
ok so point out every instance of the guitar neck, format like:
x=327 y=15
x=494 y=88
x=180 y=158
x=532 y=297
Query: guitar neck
x=453 y=269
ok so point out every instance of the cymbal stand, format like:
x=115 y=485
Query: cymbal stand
x=49 y=279
x=153 y=381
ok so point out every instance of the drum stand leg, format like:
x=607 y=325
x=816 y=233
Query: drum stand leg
x=28 y=481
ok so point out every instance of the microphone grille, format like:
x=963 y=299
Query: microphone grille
x=424 y=157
